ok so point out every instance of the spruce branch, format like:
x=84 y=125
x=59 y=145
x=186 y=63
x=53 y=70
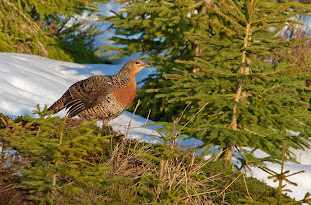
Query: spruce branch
x=252 y=132
x=224 y=190
x=193 y=116
x=239 y=14
x=234 y=14
x=225 y=28
x=33 y=26
x=222 y=13
x=272 y=14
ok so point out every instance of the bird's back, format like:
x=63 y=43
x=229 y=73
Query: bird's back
x=97 y=97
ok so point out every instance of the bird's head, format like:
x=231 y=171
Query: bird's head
x=135 y=65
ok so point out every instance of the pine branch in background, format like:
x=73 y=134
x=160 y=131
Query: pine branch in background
x=254 y=94
x=21 y=33
x=41 y=27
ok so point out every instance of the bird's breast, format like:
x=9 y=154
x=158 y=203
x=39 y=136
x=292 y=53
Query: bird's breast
x=126 y=94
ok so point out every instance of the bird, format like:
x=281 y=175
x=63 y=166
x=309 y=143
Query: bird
x=101 y=97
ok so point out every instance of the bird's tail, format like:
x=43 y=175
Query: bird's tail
x=60 y=103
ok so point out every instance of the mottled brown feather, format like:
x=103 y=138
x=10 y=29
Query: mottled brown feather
x=101 y=97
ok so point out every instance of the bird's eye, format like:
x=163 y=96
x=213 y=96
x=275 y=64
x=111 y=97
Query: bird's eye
x=137 y=62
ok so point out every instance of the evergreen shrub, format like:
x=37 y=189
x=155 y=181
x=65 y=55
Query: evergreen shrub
x=63 y=161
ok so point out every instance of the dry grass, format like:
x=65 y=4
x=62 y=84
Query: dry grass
x=181 y=176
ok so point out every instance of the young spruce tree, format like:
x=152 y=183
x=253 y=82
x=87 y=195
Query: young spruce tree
x=247 y=96
x=157 y=29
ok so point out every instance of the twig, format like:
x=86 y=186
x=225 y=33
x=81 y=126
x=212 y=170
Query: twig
x=193 y=116
x=255 y=133
x=13 y=198
x=246 y=186
x=268 y=16
x=127 y=132
x=6 y=188
x=230 y=184
x=142 y=134
x=176 y=121
x=129 y=125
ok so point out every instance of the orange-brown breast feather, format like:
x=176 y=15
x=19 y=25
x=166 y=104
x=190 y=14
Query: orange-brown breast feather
x=126 y=94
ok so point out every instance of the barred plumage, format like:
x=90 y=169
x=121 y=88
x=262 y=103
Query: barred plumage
x=101 y=97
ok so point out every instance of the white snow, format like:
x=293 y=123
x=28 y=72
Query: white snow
x=303 y=180
x=28 y=80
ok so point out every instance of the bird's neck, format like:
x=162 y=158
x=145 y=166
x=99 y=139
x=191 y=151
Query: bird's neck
x=125 y=88
x=123 y=78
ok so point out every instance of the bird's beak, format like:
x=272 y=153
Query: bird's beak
x=146 y=65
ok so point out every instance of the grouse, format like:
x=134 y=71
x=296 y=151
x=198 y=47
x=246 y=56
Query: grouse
x=101 y=97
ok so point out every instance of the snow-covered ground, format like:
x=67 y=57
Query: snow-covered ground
x=28 y=80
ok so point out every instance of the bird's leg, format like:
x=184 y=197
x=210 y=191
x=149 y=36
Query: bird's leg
x=106 y=128
x=95 y=123
x=105 y=123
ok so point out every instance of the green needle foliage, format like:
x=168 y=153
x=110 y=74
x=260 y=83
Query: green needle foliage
x=41 y=28
x=157 y=29
x=60 y=160
x=252 y=96
x=53 y=161
x=235 y=67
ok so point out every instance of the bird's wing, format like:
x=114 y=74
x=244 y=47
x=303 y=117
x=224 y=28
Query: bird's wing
x=88 y=93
